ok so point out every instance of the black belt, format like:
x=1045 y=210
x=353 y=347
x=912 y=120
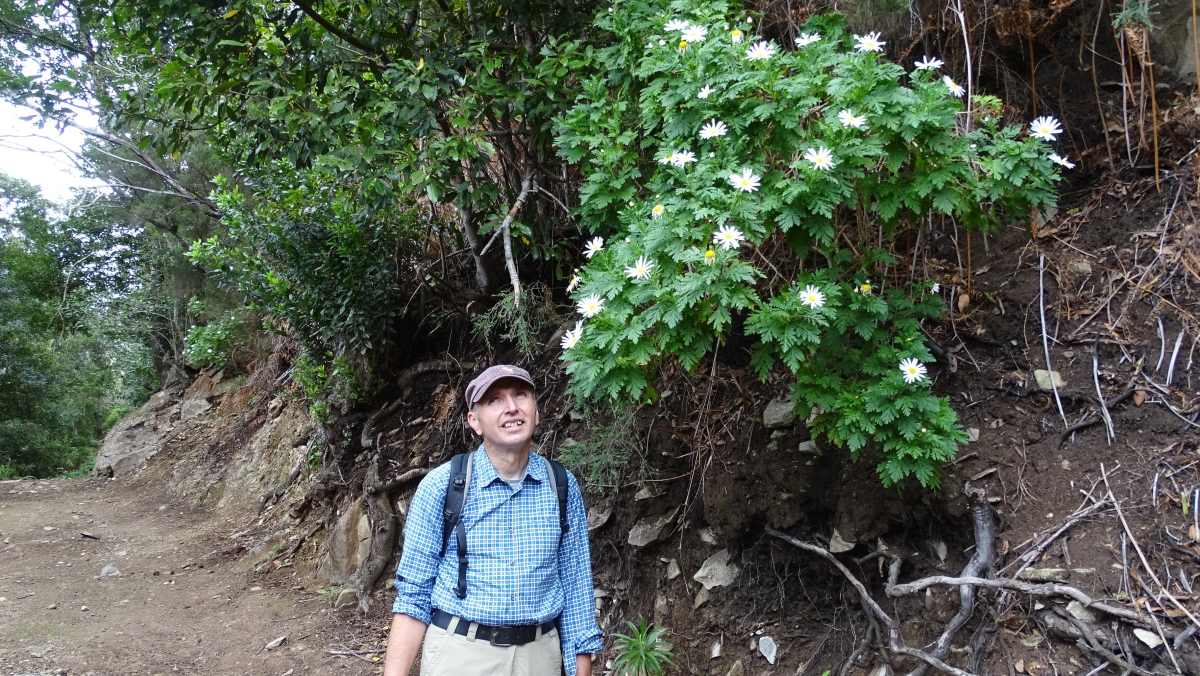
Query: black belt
x=497 y=636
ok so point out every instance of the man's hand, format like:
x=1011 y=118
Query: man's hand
x=404 y=640
x=583 y=665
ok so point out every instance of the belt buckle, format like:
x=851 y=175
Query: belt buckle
x=495 y=632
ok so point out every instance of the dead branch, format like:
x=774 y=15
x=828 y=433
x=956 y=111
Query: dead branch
x=893 y=629
x=1045 y=337
x=272 y=496
x=1108 y=423
x=1088 y=423
x=506 y=228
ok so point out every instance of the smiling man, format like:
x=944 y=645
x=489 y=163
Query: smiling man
x=519 y=601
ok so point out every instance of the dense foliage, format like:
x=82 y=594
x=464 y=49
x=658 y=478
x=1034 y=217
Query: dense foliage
x=729 y=177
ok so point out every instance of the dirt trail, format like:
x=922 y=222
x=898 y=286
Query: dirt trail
x=178 y=605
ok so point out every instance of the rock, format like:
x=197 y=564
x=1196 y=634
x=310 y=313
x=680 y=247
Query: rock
x=576 y=416
x=347 y=546
x=707 y=536
x=568 y=442
x=276 y=643
x=1043 y=377
x=838 y=545
x=347 y=598
x=661 y=609
x=715 y=651
x=778 y=434
x=652 y=529
x=766 y=646
x=972 y=434
x=809 y=447
x=738 y=669
x=598 y=516
x=779 y=413
x=1082 y=612
x=195 y=398
x=138 y=436
x=274 y=408
x=110 y=571
x=646 y=492
x=813 y=413
x=702 y=597
x=717 y=571
x=673 y=570
x=1150 y=638
x=52 y=606
x=1043 y=575
x=1080 y=267
x=83 y=609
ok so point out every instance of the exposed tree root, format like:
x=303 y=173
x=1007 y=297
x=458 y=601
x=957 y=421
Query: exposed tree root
x=272 y=496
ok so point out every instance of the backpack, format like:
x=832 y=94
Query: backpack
x=456 y=497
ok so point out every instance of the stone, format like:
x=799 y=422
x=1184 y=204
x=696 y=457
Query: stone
x=1043 y=378
x=1082 y=612
x=110 y=571
x=576 y=416
x=778 y=434
x=646 y=492
x=1043 y=575
x=972 y=434
x=717 y=571
x=652 y=529
x=274 y=408
x=276 y=643
x=702 y=597
x=195 y=398
x=1080 y=267
x=598 y=516
x=568 y=442
x=707 y=536
x=738 y=669
x=661 y=609
x=346 y=547
x=52 y=606
x=347 y=598
x=766 y=646
x=673 y=570
x=838 y=544
x=1150 y=638
x=809 y=447
x=715 y=651
x=138 y=436
x=779 y=413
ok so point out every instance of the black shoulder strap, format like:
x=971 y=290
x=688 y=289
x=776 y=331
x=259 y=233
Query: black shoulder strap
x=456 y=497
x=558 y=479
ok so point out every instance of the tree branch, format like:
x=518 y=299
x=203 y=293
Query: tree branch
x=335 y=31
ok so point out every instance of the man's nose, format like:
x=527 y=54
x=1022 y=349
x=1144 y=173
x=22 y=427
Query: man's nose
x=510 y=404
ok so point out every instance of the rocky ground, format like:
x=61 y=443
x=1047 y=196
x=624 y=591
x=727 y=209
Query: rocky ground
x=97 y=577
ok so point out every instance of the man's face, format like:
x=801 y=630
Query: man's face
x=506 y=415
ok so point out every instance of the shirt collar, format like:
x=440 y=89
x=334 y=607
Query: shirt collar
x=535 y=468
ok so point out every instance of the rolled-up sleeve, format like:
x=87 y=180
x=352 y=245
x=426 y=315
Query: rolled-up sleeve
x=419 y=561
x=580 y=635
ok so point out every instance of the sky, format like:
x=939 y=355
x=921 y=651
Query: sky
x=40 y=156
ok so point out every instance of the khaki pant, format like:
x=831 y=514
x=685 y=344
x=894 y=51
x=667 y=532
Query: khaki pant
x=448 y=654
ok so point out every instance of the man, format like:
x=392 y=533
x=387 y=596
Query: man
x=526 y=580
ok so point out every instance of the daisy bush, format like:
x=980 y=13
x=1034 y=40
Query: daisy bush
x=728 y=176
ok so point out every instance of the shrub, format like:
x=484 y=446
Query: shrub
x=519 y=325
x=211 y=345
x=608 y=453
x=726 y=176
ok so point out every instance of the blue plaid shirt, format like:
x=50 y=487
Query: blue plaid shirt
x=518 y=572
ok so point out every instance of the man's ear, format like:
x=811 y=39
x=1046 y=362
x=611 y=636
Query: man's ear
x=473 y=422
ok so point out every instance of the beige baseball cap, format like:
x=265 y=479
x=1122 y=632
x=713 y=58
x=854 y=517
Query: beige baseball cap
x=477 y=387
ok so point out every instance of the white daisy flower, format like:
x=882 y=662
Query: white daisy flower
x=812 y=296
x=760 y=51
x=747 y=181
x=593 y=247
x=1045 y=128
x=821 y=159
x=682 y=157
x=640 y=269
x=694 y=34
x=572 y=336
x=953 y=86
x=936 y=288
x=735 y=35
x=713 y=129
x=591 y=306
x=662 y=43
x=865 y=288
x=849 y=119
x=728 y=237
x=704 y=92
x=657 y=211
x=668 y=159
x=709 y=257
x=571 y=285
x=869 y=42
x=1062 y=161
x=807 y=39
x=913 y=370
x=676 y=25
x=928 y=63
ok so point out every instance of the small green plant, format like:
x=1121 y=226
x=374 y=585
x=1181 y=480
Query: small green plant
x=519 y=325
x=726 y=176
x=331 y=593
x=643 y=651
x=211 y=345
x=608 y=453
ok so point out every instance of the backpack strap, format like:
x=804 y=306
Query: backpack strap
x=558 y=481
x=456 y=498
